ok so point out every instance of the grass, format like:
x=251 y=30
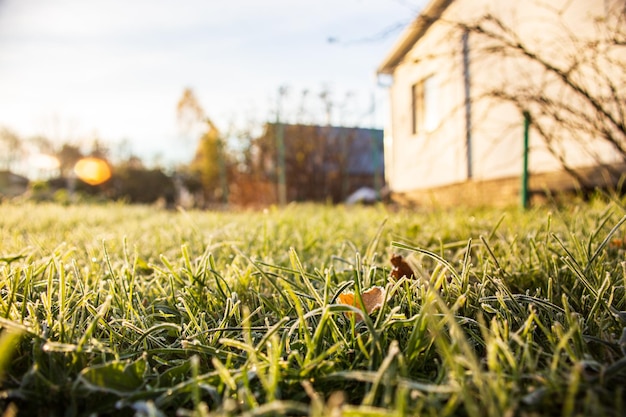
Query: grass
x=109 y=309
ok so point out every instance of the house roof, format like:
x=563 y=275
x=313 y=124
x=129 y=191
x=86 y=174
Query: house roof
x=7 y=178
x=12 y=184
x=365 y=149
x=431 y=12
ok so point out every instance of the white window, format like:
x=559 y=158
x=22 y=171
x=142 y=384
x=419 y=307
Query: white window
x=425 y=113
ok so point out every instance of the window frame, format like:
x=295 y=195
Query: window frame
x=424 y=105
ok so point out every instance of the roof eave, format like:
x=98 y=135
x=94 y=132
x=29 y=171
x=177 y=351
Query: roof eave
x=431 y=12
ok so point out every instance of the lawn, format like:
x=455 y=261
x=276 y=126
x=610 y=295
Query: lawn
x=131 y=310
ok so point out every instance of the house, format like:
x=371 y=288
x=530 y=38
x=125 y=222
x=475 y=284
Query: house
x=12 y=185
x=478 y=87
x=321 y=163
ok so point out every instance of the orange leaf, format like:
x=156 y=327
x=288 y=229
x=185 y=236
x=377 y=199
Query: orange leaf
x=372 y=299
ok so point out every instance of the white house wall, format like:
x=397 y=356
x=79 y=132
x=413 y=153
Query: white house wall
x=498 y=127
x=437 y=158
x=428 y=158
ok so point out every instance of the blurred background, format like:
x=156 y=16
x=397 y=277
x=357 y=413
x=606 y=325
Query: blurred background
x=181 y=103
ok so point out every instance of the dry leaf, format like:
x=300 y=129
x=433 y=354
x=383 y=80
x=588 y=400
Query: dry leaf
x=400 y=267
x=372 y=299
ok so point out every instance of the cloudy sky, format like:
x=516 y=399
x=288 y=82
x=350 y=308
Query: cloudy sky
x=115 y=69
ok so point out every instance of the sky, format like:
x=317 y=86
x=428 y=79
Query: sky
x=75 y=70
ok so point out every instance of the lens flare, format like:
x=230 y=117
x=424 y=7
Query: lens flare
x=93 y=171
x=43 y=162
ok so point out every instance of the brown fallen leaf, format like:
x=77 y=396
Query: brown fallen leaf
x=400 y=267
x=373 y=299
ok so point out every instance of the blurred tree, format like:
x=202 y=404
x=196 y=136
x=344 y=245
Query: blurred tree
x=43 y=144
x=99 y=149
x=11 y=149
x=122 y=151
x=246 y=172
x=68 y=155
x=135 y=184
x=317 y=159
x=210 y=162
x=190 y=114
x=207 y=163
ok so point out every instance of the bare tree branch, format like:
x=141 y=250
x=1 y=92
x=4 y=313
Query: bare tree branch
x=582 y=86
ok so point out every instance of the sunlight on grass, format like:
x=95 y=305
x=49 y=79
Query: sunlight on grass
x=115 y=309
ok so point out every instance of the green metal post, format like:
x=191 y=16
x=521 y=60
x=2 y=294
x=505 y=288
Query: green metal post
x=524 y=191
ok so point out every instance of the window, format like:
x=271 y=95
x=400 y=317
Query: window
x=424 y=115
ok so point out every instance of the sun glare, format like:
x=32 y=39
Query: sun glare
x=93 y=171
x=43 y=162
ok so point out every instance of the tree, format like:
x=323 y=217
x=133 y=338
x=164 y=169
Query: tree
x=68 y=155
x=10 y=148
x=190 y=114
x=43 y=144
x=316 y=157
x=99 y=149
x=210 y=162
x=317 y=160
x=136 y=184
